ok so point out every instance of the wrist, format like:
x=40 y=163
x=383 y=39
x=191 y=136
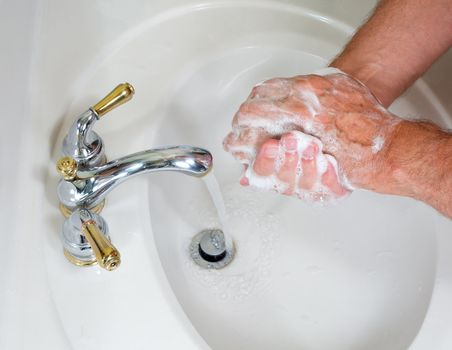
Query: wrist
x=416 y=161
x=370 y=73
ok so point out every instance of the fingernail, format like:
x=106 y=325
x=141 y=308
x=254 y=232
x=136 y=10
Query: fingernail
x=290 y=144
x=310 y=151
x=244 y=181
x=271 y=151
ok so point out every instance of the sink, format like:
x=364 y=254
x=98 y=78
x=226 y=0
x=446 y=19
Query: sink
x=371 y=272
x=361 y=272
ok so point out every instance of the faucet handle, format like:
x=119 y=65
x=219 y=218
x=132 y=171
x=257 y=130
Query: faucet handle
x=86 y=241
x=119 y=95
x=106 y=254
x=81 y=142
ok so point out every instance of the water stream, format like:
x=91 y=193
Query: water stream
x=217 y=198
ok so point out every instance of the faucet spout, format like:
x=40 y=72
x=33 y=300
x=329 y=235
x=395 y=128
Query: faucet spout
x=90 y=186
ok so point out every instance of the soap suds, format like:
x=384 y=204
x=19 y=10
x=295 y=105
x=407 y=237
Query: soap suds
x=265 y=183
x=311 y=101
x=327 y=71
x=318 y=192
x=277 y=127
x=378 y=144
x=249 y=151
x=296 y=106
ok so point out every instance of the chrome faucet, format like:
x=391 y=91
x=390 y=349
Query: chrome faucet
x=87 y=178
x=81 y=142
x=88 y=188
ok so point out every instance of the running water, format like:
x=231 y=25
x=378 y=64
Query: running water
x=256 y=231
x=218 y=201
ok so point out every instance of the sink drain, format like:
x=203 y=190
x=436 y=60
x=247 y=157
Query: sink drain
x=211 y=249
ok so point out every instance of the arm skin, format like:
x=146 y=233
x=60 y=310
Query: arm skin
x=418 y=164
x=398 y=43
x=389 y=52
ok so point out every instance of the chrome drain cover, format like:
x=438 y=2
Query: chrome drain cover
x=211 y=249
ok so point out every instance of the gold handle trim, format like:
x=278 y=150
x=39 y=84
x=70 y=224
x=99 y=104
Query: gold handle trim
x=119 y=95
x=72 y=259
x=67 y=168
x=106 y=254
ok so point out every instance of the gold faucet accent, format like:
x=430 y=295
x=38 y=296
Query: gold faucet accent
x=67 y=168
x=86 y=241
x=83 y=150
x=107 y=255
x=87 y=178
x=119 y=95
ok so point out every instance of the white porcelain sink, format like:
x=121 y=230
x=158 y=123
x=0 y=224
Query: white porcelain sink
x=372 y=272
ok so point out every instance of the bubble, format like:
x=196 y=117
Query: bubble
x=255 y=235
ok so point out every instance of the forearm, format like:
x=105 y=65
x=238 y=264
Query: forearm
x=417 y=162
x=397 y=45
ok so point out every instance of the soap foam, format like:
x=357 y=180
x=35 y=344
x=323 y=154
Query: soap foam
x=319 y=192
x=249 y=151
x=304 y=141
x=284 y=123
x=322 y=164
x=311 y=100
x=327 y=71
x=265 y=183
x=378 y=144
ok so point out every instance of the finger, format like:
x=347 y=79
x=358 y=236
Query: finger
x=243 y=142
x=244 y=181
x=276 y=88
x=319 y=84
x=298 y=111
x=229 y=140
x=287 y=171
x=264 y=114
x=330 y=179
x=234 y=144
x=277 y=116
x=311 y=151
x=309 y=175
x=264 y=165
x=242 y=157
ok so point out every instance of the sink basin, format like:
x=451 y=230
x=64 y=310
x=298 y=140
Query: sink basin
x=372 y=272
x=356 y=275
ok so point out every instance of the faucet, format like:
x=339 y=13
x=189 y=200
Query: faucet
x=87 y=178
x=81 y=143
x=86 y=241
x=88 y=188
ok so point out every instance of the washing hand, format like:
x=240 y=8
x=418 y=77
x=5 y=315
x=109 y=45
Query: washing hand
x=344 y=138
x=314 y=137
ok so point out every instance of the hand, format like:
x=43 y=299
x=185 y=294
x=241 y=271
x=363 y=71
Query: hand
x=336 y=118
x=295 y=166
